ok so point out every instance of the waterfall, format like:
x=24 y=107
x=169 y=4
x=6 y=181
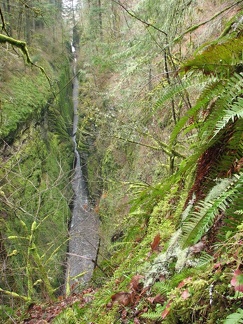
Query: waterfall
x=83 y=231
x=78 y=183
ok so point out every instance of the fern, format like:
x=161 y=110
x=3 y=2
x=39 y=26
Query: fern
x=233 y=220
x=212 y=89
x=162 y=287
x=198 y=222
x=235 y=110
x=172 y=90
x=204 y=259
x=227 y=106
x=153 y=316
x=217 y=58
x=235 y=318
x=150 y=196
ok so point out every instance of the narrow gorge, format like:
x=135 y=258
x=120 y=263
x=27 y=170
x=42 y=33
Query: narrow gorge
x=84 y=226
x=121 y=161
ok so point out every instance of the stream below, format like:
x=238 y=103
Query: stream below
x=84 y=227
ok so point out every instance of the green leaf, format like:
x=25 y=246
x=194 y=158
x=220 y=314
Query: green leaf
x=198 y=222
x=217 y=58
x=235 y=318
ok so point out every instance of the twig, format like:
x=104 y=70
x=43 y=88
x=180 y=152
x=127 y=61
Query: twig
x=14 y=295
x=79 y=256
x=139 y=19
x=99 y=267
x=161 y=147
x=3 y=21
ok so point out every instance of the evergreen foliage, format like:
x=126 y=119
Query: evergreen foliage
x=223 y=194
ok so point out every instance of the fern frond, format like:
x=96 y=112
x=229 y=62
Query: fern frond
x=227 y=104
x=239 y=212
x=151 y=195
x=235 y=110
x=154 y=316
x=204 y=259
x=233 y=219
x=198 y=222
x=217 y=58
x=230 y=143
x=211 y=90
x=162 y=287
x=172 y=90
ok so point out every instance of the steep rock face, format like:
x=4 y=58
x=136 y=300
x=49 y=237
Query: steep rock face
x=35 y=197
x=35 y=182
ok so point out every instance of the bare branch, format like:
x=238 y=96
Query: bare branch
x=3 y=21
x=139 y=19
x=161 y=147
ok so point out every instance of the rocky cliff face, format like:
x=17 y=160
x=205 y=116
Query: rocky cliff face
x=36 y=162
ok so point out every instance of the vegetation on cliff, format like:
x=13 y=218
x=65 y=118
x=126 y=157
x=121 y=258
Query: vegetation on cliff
x=36 y=156
x=164 y=138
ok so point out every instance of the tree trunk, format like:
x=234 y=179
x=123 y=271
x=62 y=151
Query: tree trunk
x=100 y=18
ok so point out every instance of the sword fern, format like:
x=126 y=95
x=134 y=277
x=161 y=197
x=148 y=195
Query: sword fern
x=197 y=223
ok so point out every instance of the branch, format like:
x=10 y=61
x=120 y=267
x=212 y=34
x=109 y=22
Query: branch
x=192 y=28
x=23 y=47
x=139 y=19
x=135 y=142
x=34 y=9
x=20 y=44
x=3 y=21
x=14 y=295
x=161 y=147
x=169 y=151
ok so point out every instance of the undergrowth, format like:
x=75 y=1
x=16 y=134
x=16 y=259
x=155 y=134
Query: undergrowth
x=194 y=209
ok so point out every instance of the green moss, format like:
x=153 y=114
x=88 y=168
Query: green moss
x=37 y=188
x=23 y=100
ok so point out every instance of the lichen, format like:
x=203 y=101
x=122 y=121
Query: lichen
x=174 y=259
